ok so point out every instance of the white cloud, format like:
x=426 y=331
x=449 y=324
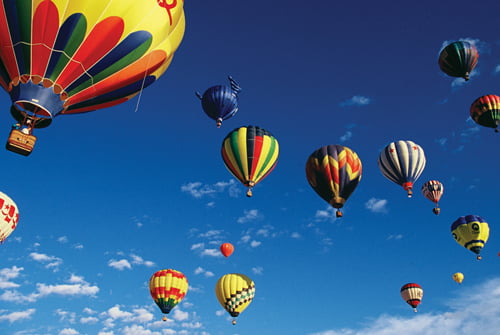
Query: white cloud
x=211 y=252
x=51 y=261
x=325 y=215
x=395 y=237
x=89 y=320
x=67 y=289
x=347 y=136
x=356 y=100
x=197 y=246
x=6 y=274
x=16 y=316
x=255 y=244
x=206 y=273
x=119 y=265
x=68 y=331
x=62 y=239
x=249 y=215
x=140 y=261
x=295 y=235
x=179 y=315
x=199 y=190
x=475 y=309
x=258 y=270
x=376 y=205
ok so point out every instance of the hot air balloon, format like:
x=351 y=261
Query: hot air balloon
x=412 y=293
x=458 y=59
x=226 y=249
x=402 y=162
x=167 y=287
x=458 y=277
x=75 y=56
x=220 y=102
x=433 y=190
x=334 y=171
x=250 y=154
x=471 y=232
x=9 y=216
x=235 y=292
x=485 y=111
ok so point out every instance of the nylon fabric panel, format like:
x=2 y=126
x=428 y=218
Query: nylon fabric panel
x=267 y=163
x=8 y=58
x=231 y=159
x=240 y=146
x=45 y=29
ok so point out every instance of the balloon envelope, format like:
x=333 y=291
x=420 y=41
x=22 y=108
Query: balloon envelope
x=402 y=162
x=168 y=287
x=471 y=232
x=458 y=277
x=433 y=190
x=9 y=216
x=485 y=111
x=250 y=154
x=334 y=171
x=221 y=102
x=226 y=249
x=235 y=292
x=412 y=293
x=458 y=59
x=74 y=56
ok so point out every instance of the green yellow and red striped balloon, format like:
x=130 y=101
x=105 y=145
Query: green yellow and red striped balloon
x=250 y=154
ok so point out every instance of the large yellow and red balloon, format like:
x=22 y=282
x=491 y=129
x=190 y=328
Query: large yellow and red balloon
x=73 y=56
x=168 y=287
x=334 y=171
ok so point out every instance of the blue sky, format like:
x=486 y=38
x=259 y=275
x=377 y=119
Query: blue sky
x=109 y=197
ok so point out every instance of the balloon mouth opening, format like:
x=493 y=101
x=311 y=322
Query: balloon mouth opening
x=22 y=111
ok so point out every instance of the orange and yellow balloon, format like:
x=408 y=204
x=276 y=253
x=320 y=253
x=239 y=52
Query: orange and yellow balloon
x=168 y=287
x=485 y=111
x=9 y=216
x=235 y=292
x=334 y=171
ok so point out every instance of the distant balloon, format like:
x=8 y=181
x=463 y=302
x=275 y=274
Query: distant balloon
x=458 y=277
x=250 y=154
x=471 y=232
x=168 y=287
x=334 y=171
x=220 y=102
x=433 y=190
x=226 y=249
x=412 y=293
x=402 y=162
x=458 y=59
x=235 y=292
x=9 y=216
x=485 y=111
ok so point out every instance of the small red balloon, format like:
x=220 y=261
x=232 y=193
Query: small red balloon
x=226 y=249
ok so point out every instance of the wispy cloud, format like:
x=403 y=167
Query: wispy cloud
x=198 y=189
x=476 y=308
x=199 y=270
x=17 y=316
x=125 y=263
x=357 y=100
x=377 y=205
x=346 y=137
x=7 y=274
x=249 y=215
x=327 y=214
x=51 y=262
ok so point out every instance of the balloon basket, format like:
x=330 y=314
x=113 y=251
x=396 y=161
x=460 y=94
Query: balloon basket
x=20 y=142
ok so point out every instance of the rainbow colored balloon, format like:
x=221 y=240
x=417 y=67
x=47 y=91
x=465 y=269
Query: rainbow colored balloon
x=74 y=56
x=168 y=287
